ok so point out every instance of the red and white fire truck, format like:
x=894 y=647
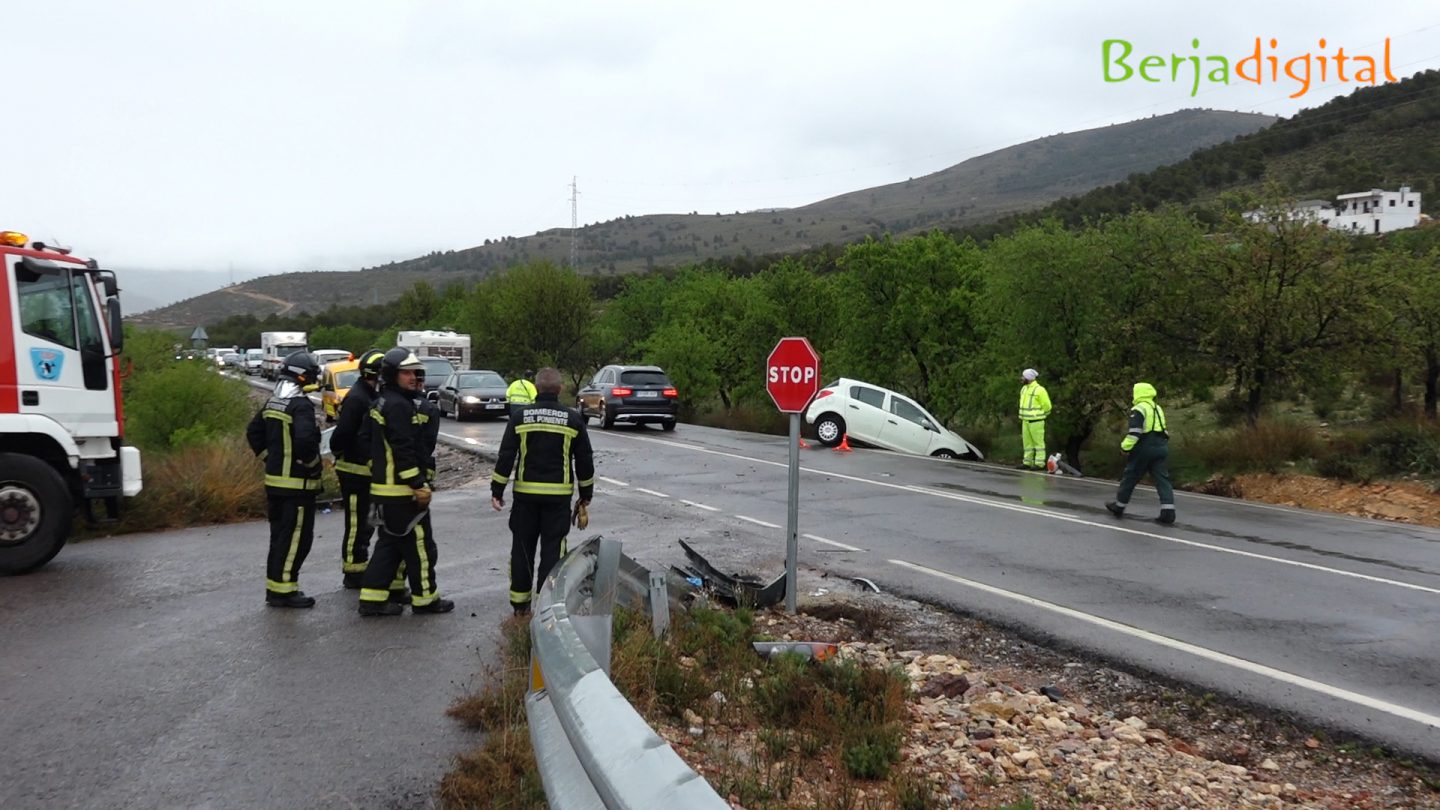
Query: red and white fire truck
x=61 y=421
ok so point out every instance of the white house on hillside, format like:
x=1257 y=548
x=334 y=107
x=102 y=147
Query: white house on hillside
x=1377 y=211
x=1374 y=211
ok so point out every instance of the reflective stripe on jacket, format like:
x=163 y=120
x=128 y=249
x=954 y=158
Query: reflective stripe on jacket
x=520 y=392
x=397 y=446
x=350 y=441
x=1034 y=402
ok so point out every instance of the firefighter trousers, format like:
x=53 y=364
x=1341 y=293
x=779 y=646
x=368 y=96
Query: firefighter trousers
x=403 y=538
x=292 y=529
x=355 y=546
x=535 y=520
x=1150 y=456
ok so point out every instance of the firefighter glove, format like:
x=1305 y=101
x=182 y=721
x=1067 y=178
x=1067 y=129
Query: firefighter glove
x=422 y=497
x=581 y=516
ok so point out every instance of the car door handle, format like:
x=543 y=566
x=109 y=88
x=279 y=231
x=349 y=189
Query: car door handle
x=892 y=421
x=854 y=407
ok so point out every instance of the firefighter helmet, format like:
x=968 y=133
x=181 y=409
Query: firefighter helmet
x=370 y=363
x=302 y=368
x=396 y=360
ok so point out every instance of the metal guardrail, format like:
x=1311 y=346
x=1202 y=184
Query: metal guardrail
x=593 y=749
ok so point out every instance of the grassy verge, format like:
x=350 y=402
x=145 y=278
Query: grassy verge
x=767 y=734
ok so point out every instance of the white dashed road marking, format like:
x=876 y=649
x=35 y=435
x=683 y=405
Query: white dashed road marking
x=612 y=481
x=651 y=492
x=834 y=543
x=699 y=505
x=757 y=522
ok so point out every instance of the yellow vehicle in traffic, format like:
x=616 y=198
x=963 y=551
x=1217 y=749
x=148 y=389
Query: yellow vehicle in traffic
x=335 y=381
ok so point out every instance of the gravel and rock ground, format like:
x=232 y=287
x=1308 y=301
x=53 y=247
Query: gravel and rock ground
x=994 y=720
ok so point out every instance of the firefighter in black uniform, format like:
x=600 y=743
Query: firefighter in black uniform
x=284 y=434
x=350 y=444
x=399 y=435
x=554 y=458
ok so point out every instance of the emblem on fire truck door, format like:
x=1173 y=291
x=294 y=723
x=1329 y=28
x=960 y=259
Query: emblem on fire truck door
x=47 y=363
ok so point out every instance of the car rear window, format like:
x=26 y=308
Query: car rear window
x=644 y=378
x=869 y=396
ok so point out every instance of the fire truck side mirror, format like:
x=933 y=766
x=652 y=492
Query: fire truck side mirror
x=117 y=327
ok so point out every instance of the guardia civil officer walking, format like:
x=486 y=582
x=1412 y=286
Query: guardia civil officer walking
x=1147 y=446
x=350 y=444
x=521 y=392
x=1034 y=408
x=399 y=435
x=554 y=459
x=284 y=434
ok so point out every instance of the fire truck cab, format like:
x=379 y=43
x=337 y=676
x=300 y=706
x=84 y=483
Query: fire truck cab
x=61 y=420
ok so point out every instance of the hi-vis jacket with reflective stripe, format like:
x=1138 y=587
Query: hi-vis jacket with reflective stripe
x=1034 y=402
x=284 y=434
x=1147 y=419
x=350 y=443
x=398 y=453
x=520 y=392
x=553 y=451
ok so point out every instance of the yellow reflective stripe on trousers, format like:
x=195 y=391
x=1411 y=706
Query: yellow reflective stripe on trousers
x=519 y=597
x=428 y=593
x=287 y=573
x=351 y=505
x=286 y=482
x=281 y=587
x=373 y=595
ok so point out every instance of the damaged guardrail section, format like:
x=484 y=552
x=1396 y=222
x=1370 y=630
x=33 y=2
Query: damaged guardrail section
x=593 y=749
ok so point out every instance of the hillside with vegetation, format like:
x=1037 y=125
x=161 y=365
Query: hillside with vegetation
x=1016 y=178
x=1377 y=137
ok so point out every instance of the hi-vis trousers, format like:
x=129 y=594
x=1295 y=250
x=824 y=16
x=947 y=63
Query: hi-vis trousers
x=404 y=537
x=292 y=529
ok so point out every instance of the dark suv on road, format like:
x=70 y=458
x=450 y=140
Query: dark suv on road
x=634 y=395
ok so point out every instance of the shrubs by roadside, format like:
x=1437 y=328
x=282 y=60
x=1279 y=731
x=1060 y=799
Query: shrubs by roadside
x=781 y=733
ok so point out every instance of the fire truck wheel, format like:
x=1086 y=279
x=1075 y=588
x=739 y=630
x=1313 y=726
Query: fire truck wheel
x=35 y=513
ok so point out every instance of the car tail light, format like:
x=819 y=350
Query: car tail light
x=824 y=392
x=670 y=392
x=621 y=392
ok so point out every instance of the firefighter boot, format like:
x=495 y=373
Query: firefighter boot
x=438 y=606
x=297 y=599
x=387 y=608
x=1115 y=509
x=400 y=596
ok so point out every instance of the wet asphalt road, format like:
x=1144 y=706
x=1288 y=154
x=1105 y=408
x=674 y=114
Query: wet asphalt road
x=145 y=671
x=1333 y=618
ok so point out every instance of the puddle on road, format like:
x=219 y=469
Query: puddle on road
x=1029 y=497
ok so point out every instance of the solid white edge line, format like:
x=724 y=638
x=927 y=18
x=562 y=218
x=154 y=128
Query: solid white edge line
x=651 y=492
x=758 y=522
x=817 y=538
x=1054 y=516
x=706 y=507
x=1184 y=646
x=612 y=481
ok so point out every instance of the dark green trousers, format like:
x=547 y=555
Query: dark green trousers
x=1150 y=456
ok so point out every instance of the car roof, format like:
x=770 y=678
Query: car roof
x=639 y=368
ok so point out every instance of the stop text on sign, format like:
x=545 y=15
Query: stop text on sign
x=792 y=374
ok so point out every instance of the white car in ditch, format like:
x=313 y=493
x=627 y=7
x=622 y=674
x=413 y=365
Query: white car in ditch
x=883 y=418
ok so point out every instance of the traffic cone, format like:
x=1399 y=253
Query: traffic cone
x=803 y=445
x=844 y=445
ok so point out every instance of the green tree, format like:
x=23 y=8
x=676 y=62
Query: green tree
x=1415 y=307
x=536 y=314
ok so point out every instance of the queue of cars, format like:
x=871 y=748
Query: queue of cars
x=645 y=395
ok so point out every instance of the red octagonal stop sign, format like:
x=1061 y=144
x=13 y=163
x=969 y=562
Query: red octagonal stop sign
x=792 y=374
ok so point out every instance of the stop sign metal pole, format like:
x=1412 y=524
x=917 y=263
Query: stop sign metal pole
x=792 y=520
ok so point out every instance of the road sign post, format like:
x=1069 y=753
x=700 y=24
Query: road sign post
x=792 y=378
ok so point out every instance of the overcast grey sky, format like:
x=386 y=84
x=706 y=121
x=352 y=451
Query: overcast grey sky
x=274 y=135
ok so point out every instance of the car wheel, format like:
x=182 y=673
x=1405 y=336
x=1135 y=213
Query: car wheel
x=829 y=429
x=945 y=454
x=608 y=421
x=667 y=426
